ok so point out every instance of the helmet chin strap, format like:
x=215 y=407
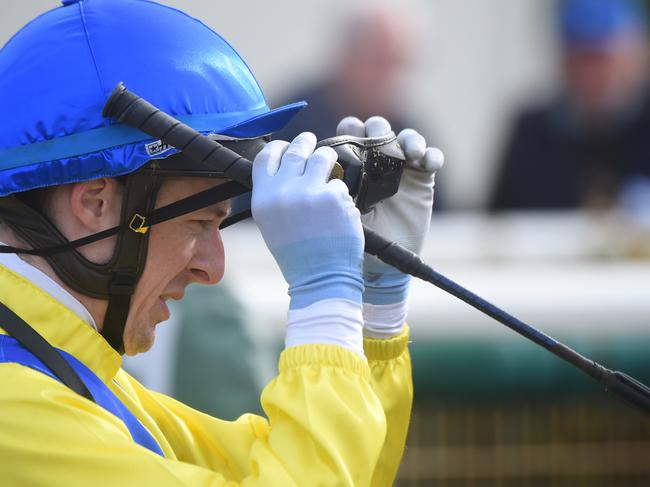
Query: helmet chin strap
x=114 y=280
x=141 y=191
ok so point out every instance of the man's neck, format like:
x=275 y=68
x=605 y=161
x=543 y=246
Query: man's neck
x=96 y=307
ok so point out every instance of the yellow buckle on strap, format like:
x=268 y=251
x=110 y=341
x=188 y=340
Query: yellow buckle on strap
x=138 y=224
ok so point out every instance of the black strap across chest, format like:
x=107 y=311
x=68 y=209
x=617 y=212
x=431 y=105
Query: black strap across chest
x=35 y=343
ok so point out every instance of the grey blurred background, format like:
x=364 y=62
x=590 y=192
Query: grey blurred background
x=490 y=409
x=473 y=63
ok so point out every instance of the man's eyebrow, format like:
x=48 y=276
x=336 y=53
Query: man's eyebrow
x=221 y=210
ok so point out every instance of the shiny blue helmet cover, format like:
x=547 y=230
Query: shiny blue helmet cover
x=57 y=72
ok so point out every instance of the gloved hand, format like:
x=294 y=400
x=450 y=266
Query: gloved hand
x=404 y=219
x=314 y=232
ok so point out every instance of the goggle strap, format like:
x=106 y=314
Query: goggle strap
x=192 y=203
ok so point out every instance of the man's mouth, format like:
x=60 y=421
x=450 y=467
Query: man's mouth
x=176 y=296
x=165 y=309
x=163 y=298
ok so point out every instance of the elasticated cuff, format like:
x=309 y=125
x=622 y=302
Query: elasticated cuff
x=323 y=355
x=387 y=348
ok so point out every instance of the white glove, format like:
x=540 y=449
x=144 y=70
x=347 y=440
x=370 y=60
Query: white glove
x=314 y=232
x=404 y=219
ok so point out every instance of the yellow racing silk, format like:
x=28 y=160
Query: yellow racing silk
x=334 y=419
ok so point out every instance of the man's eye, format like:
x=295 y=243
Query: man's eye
x=203 y=223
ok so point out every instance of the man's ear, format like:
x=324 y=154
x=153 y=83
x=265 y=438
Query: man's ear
x=97 y=203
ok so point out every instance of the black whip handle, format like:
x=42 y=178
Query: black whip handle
x=134 y=111
x=129 y=108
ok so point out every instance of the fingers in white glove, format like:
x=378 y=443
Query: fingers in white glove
x=351 y=126
x=297 y=203
x=294 y=159
x=267 y=161
x=373 y=127
x=413 y=144
x=433 y=159
x=418 y=155
x=377 y=127
x=320 y=164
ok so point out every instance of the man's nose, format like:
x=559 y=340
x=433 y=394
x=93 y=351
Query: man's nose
x=208 y=264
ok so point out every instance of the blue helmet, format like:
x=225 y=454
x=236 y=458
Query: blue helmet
x=56 y=75
x=57 y=72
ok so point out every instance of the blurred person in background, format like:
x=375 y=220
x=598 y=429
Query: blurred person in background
x=589 y=146
x=366 y=79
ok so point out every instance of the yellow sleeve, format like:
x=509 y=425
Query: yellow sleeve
x=326 y=426
x=391 y=379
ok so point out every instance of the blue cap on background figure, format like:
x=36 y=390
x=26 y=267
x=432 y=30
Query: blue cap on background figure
x=598 y=24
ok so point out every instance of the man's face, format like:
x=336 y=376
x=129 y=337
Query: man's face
x=185 y=250
x=604 y=79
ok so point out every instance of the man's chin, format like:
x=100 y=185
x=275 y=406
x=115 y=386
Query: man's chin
x=139 y=343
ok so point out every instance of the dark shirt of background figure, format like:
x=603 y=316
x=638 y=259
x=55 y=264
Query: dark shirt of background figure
x=590 y=146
